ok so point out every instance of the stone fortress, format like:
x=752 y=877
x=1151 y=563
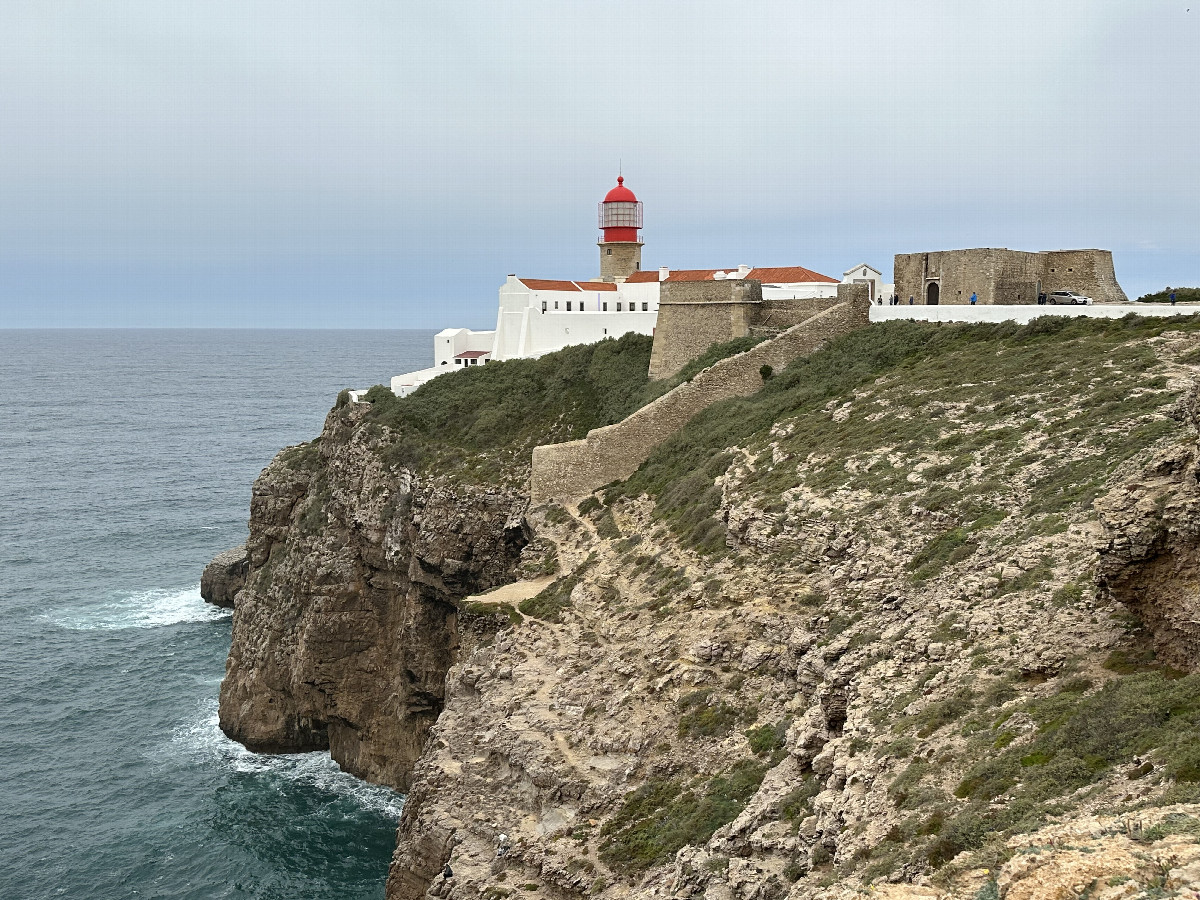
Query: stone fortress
x=1004 y=277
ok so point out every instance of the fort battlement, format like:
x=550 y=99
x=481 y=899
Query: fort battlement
x=996 y=275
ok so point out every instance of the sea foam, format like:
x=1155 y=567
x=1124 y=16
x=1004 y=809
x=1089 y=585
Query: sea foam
x=202 y=741
x=143 y=609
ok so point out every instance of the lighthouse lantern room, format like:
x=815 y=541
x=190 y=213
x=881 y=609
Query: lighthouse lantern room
x=620 y=244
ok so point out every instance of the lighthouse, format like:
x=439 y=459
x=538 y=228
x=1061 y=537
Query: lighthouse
x=620 y=244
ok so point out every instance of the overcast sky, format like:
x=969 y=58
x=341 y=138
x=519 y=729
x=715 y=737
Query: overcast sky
x=325 y=163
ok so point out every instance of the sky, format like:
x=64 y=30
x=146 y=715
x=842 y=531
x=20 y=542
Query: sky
x=386 y=163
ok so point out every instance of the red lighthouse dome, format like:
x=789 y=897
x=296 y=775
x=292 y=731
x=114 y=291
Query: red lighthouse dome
x=620 y=214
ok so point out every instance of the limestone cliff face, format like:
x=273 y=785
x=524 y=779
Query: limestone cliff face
x=1151 y=560
x=347 y=625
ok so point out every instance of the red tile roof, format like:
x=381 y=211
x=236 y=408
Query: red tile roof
x=772 y=275
x=788 y=275
x=550 y=284
x=472 y=354
x=544 y=284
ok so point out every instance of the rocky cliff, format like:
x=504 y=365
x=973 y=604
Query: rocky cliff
x=919 y=618
x=347 y=624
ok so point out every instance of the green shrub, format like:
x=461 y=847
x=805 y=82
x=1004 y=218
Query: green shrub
x=715 y=720
x=482 y=421
x=796 y=805
x=1182 y=295
x=555 y=598
x=768 y=738
x=1079 y=738
x=942 y=712
x=662 y=816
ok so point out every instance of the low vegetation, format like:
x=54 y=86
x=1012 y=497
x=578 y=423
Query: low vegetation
x=1182 y=295
x=663 y=815
x=944 y=414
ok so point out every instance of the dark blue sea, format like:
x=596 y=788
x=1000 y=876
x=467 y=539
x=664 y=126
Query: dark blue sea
x=126 y=460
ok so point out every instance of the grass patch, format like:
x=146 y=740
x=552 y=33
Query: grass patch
x=1068 y=400
x=1079 y=739
x=555 y=598
x=482 y=422
x=662 y=816
x=703 y=718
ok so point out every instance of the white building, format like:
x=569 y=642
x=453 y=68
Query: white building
x=538 y=316
x=864 y=274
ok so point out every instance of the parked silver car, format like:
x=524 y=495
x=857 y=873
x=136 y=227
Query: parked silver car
x=1069 y=297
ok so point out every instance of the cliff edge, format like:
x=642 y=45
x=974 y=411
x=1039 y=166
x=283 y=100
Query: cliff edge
x=915 y=619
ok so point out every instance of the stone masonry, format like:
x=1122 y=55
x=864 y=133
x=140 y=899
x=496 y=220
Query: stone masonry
x=694 y=315
x=1001 y=276
x=569 y=471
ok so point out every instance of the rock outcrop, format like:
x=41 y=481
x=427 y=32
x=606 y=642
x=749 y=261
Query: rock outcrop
x=347 y=624
x=1151 y=561
x=225 y=576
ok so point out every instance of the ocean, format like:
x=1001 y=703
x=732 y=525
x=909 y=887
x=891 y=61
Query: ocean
x=126 y=460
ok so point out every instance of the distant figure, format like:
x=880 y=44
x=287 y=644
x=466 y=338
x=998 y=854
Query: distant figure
x=447 y=872
x=910 y=299
x=1042 y=299
x=1172 y=298
x=973 y=298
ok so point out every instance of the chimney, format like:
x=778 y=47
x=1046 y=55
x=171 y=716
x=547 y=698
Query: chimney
x=663 y=273
x=743 y=271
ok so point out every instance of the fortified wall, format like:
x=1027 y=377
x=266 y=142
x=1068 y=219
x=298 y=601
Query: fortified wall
x=1001 y=276
x=572 y=470
x=694 y=315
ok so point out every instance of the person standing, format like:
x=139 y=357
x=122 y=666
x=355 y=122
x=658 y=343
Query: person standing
x=973 y=298
x=1172 y=298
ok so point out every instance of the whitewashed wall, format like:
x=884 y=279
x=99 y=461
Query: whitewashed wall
x=1023 y=313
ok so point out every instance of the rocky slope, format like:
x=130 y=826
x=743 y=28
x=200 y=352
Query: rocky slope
x=913 y=621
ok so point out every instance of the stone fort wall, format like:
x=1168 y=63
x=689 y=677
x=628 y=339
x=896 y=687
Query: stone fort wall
x=694 y=315
x=569 y=471
x=1000 y=276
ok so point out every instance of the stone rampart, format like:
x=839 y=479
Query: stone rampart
x=694 y=315
x=1003 y=277
x=569 y=471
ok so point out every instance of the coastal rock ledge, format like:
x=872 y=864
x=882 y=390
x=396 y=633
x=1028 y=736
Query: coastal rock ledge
x=225 y=576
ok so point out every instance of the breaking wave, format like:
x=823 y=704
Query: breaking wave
x=201 y=740
x=144 y=609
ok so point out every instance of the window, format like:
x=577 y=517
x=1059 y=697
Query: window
x=609 y=251
x=604 y=306
x=556 y=304
x=543 y=306
x=645 y=307
x=568 y=306
x=474 y=362
x=458 y=362
x=1070 y=269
